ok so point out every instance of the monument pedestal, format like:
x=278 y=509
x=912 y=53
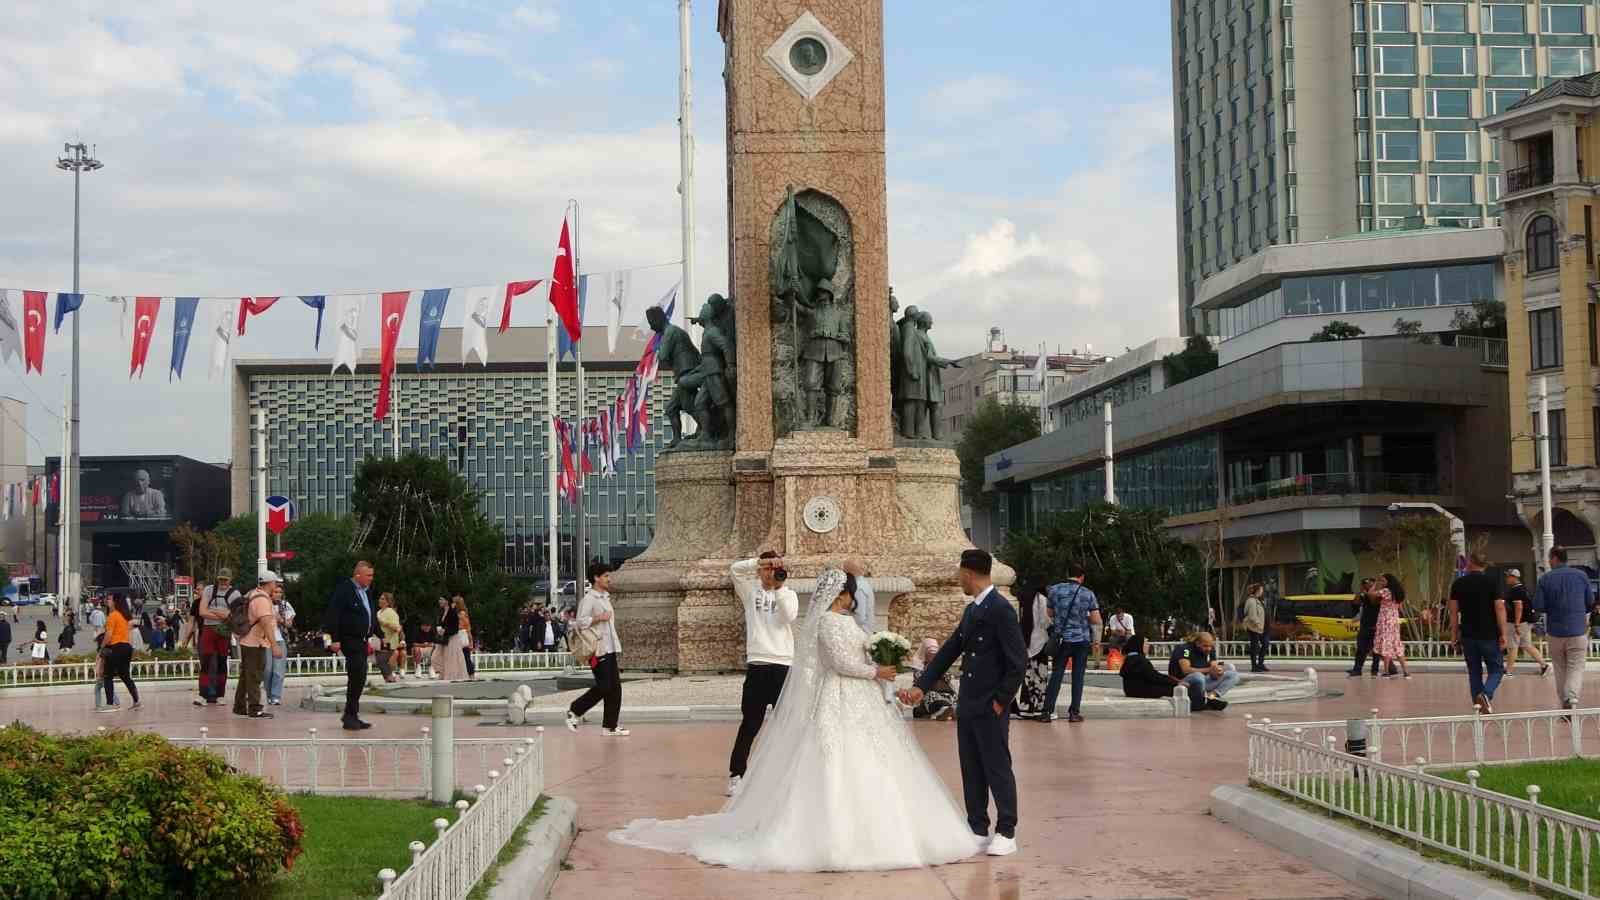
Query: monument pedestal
x=896 y=511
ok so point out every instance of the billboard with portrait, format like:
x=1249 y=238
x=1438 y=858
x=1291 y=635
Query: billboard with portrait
x=137 y=493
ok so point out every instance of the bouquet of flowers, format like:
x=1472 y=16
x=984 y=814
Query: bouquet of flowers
x=886 y=648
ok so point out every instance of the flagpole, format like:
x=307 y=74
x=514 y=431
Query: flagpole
x=261 y=492
x=686 y=153
x=580 y=528
x=63 y=493
x=552 y=496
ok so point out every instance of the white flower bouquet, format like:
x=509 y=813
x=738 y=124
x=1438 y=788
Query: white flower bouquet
x=886 y=648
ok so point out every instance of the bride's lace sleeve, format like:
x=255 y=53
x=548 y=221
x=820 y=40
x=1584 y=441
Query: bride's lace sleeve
x=839 y=641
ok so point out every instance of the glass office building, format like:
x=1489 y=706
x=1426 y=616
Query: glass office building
x=486 y=422
x=1300 y=121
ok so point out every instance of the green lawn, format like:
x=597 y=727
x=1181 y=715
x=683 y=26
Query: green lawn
x=348 y=839
x=1572 y=784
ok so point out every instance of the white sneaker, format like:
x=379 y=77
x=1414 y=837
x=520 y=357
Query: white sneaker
x=733 y=786
x=615 y=732
x=572 y=722
x=1000 y=845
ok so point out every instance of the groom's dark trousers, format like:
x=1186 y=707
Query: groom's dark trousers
x=988 y=640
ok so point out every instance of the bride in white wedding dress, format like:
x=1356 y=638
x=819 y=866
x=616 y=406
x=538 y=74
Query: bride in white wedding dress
x=837 y=782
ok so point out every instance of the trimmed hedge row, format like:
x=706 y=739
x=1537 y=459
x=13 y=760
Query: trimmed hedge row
x=128 y=814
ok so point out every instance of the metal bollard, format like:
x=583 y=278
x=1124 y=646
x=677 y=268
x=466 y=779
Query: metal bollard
x=442 y=752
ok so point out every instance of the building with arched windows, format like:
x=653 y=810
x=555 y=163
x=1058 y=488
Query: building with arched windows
x=1550 y=144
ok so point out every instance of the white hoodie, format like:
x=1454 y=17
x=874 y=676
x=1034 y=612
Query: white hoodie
x=767 y=616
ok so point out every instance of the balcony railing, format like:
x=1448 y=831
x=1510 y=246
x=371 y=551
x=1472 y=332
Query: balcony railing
x=1494 y=353
x=1326 y=485
x=1530 y=176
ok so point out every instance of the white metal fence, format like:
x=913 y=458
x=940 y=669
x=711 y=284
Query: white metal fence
x=28 y=675
x=1548 y=848
x=390 y=766
x=464 y=850
x=1345 y=650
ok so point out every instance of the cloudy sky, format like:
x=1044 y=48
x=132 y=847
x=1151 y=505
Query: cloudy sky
x=326 y=146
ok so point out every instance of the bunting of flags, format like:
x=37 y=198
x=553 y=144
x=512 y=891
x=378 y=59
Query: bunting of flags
x=19 y=498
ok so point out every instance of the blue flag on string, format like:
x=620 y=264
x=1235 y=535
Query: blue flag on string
x=433 y=304
x=183 y=310
x=318 y=302
x=66 y=303
x=563 y=342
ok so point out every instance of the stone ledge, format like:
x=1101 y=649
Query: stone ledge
x=1370 y=862
x=533 y=871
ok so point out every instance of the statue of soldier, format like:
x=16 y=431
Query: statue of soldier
x=675 y=352
x=922 y=385
x=825 y=355
x=894 y=361
x=713 y=407
x=935 y=377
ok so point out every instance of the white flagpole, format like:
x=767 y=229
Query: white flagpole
x=261 y=492
x=394 y=406
x=63 y=497
x=580 y=527
x=552 y=445
x=686 y=153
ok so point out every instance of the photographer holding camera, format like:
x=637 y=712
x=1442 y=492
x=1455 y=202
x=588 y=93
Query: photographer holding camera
x=770 y=609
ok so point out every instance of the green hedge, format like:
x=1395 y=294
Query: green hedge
x=128 y=814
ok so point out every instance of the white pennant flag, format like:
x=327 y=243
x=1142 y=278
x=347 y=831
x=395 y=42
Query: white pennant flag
x=123 y=302
x=10 y=336
x=617 y=287
x=224 y=333
x=347 y=322
x=475 y=324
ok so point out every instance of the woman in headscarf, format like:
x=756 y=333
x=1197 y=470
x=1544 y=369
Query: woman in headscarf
x=1036 y=678
x=940 y=703
x=1139 y=675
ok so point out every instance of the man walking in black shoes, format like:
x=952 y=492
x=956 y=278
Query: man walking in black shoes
x=770 y=608
x=989 y=642
x=1367 y=609
x=352 y=619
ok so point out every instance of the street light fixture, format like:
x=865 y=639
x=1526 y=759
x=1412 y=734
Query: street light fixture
x=1458 y=529
x=77 y=159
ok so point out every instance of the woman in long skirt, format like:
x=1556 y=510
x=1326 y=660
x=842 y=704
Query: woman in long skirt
x=448 y=658
x=1388 y=644
x=1036 y=677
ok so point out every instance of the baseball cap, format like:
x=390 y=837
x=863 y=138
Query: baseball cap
x=1514 y=573
x=268 y=577
x=224 y=573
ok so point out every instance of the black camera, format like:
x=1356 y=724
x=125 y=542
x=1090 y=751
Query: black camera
x=781 y=574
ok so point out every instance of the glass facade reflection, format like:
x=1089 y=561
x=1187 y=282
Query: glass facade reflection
x=1354 y=292
x=1179 y=478
x=1118 y=392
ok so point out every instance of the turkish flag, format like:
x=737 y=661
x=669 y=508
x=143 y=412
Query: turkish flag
x=564 y=287
x=145 y=311
x=514 y=289
x=394 y=312
x=253 y=306
x=33 y=317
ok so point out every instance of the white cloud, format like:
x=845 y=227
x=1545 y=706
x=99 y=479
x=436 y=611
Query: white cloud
x=604 y=68
x=471 y=43
x=971 y=96
x=538 y=16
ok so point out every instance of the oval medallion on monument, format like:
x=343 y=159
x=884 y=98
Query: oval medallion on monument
x=822 y=514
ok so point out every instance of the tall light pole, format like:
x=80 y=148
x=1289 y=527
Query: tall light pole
x=77 y=159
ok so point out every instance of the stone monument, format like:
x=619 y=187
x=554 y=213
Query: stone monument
x=815 y=471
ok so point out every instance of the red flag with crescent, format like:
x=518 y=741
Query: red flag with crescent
x=145 y=312
x=564 y=287
x=253 y=306
x=394 y=312
x=514 y=289
x=33 y=319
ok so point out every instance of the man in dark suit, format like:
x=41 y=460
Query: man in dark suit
x=989 y=642
x=352 y=618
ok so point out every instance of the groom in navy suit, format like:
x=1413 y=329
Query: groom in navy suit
x=989 y=642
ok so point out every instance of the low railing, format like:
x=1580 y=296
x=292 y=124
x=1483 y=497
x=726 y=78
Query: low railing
x=1547 y=848
x=1523 y=178
x=42 y=675
x=464 y=850
x=1455 y=741
x=392 y=766
x=1492 y=352
x=1324 y=485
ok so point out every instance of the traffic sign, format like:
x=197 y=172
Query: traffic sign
x=280 y=512
x=182 y=579
x=281 y=554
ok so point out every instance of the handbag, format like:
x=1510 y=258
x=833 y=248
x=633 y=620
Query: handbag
x=584 y=644
x=1052 y=640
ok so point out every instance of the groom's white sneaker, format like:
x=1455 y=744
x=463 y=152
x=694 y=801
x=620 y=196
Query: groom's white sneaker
x=1000 y=845
x=733 y=786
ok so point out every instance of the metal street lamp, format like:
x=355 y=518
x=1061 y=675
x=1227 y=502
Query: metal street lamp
x=77 y=159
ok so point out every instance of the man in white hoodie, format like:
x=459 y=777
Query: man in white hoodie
x=770 y=609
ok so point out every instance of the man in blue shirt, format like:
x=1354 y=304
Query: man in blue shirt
x=1073 y=609
x=1566 y=597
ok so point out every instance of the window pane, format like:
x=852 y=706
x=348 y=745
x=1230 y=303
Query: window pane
x=1452 y=146
x=1453 y=285
x=1391 y=17
x=1400 y=289
x=1452 y=60
x=1399 y=145
x=1451 y=17
x=1568 y=61
x=1452 y=104
x=1425 y=287
x=1500 y=101
x=1397 y=189
x=1395 y=103
x=1503 y=18
x=1506 y=60
x=1397 y=60
x=1563 y=19
x=1450 y=189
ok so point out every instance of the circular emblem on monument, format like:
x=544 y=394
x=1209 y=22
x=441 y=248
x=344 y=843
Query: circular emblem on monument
x=822 y=514
x=808 y=56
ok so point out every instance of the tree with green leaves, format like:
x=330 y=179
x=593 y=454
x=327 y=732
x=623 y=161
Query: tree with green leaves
x=1485 y=318
x=994 y=427
x=1411 y=328
x=1197 y=358
x=1337 y=330
x=1132 y=561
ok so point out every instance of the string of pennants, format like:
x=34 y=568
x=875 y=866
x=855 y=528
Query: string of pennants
x=18 y=498
x=566 y=292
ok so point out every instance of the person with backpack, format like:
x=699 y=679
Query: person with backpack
x=256 y=628
x=213 y=644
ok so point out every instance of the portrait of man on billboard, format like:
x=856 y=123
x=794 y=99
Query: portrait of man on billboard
x=144 y=501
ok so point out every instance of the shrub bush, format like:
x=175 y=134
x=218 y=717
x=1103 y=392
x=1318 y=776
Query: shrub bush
x=130 y=815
